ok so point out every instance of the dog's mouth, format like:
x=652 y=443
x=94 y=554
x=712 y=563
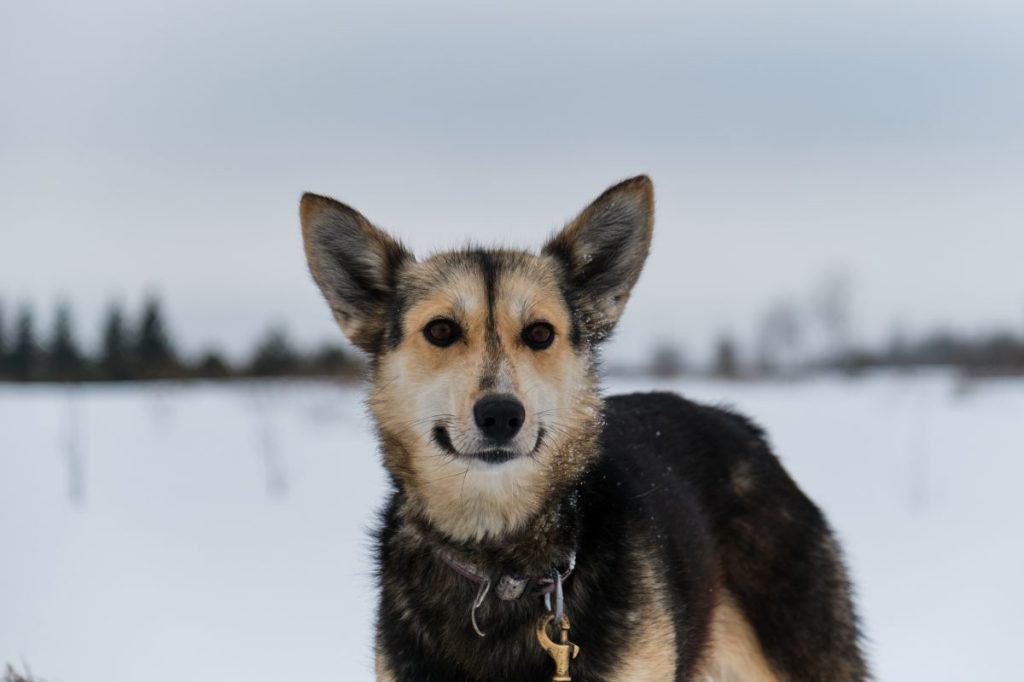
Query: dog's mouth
x=490 y=456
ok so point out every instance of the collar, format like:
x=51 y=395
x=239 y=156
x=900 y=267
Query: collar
x=508 y=587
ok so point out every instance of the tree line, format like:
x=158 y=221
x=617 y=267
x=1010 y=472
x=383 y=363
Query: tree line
x=815 y=332
x=998 y=353
x=141 y=348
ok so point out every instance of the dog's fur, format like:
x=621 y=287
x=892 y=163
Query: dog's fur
x=698 y=556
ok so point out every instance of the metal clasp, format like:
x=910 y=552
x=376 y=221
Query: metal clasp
x=561 y=652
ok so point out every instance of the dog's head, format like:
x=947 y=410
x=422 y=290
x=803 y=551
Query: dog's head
x=484 y=383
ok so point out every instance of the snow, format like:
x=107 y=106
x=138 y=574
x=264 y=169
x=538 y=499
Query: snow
x=220 y=531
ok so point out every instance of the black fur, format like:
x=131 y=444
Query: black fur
x=698 y=483
x=490 y=266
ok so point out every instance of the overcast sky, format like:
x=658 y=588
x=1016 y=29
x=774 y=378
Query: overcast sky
x=163 y=147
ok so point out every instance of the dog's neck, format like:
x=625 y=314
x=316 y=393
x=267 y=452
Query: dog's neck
x=525 y=521
x=546 y=542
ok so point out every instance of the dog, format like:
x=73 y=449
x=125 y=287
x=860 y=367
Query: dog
x=538 y=531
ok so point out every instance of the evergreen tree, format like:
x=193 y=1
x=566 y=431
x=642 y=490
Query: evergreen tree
x=65 y=359
x=23 y=359
x=153 y=351
x=115 y=355
x=332 y=360
x=274 y=355
x=212 y=365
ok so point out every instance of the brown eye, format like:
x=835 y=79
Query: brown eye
x=442 y=332
x=539 y=335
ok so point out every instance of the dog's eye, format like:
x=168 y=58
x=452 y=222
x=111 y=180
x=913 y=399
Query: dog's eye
x=538 y=335
x=442 y=332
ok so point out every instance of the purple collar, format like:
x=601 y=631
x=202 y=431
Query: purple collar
x=508 y=587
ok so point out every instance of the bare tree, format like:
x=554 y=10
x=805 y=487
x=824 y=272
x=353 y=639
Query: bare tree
x=12 y=675
x=667 y=360
x=779 y=340
x=832 y=307
x=726 y=363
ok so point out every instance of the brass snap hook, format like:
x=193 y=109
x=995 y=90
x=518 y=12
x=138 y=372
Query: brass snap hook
x=561 y=652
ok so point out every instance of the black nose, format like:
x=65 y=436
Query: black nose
x=499 y=417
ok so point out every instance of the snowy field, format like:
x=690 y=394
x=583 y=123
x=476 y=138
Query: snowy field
x=218 y=532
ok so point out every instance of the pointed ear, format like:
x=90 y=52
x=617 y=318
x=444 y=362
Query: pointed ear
x=355 y=265
x=603 y=251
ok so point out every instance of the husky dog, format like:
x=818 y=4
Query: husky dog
x=666 y=536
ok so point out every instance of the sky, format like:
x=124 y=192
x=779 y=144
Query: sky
x=162 y=147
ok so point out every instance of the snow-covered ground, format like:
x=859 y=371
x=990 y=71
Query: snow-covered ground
x=219 y=532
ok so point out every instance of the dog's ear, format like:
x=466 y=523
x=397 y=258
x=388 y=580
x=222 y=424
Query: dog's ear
x=603 y=251
x=355 y=265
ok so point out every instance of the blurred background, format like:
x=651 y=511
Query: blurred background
x=186 y=472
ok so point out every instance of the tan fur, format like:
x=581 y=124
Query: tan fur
x=418 y=387
x=419 y=384
x=744 y=481
x=735 y=654
x=382 y=670
x=651 y=656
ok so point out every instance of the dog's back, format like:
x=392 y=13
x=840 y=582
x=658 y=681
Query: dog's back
x=723 y=512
